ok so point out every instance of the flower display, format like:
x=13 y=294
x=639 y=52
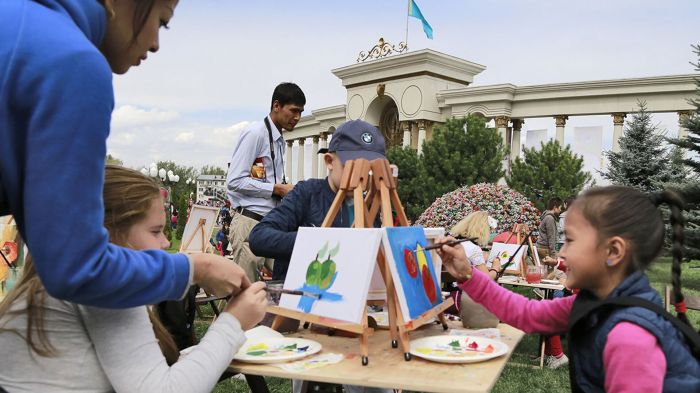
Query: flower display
x=508 y=207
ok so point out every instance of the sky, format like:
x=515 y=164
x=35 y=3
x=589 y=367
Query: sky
x=220 y=60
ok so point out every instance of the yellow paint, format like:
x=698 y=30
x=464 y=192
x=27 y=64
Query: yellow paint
x=257 y=347
x=422 y=260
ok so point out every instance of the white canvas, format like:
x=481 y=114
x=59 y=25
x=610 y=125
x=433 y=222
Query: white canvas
x=344 y=291
x=504 y=251
x=200 y=241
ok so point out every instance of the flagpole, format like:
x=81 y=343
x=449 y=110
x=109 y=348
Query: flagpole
x=408 y=9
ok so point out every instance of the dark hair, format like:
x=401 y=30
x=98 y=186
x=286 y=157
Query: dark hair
x=636 y=217
x=554 y=202
x=288 y=93
x=568 y=201
x=142 y=10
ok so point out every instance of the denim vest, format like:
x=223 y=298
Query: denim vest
x=587 y=341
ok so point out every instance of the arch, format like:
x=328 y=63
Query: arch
x=384 y=113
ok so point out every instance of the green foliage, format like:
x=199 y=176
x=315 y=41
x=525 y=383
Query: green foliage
x=454 y=158
x=111 y=160
x=451 y=159
x=412 y=180
x=548 y=172
x=642 y=160
x=212 y=170
x=181 y=217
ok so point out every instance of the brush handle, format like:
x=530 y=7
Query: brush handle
x=285 y=291
x=450 y=243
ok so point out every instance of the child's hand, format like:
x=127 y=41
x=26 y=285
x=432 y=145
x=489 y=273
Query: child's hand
x=454 y=259
x=249 y=305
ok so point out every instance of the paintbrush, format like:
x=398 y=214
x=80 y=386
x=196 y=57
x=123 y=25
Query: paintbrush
x=449 y=243
x=293 y=292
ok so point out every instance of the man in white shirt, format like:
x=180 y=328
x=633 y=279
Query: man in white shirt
x=256 y=180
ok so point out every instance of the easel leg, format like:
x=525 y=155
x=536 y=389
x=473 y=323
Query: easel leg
x=405 y=345
x=443 y=320
x=364 y=347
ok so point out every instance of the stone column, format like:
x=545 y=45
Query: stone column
x=406 y=127
x=502 y=127
x=322 y=171
x=288 y=161
x=314 y=157
x=422 y=125
x=515 y=145
x=561 y=123
x=300 y=159
x=682 y=118
x=618 y=123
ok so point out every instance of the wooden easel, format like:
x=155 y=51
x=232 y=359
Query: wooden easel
x=360 y=176
x=200 y=228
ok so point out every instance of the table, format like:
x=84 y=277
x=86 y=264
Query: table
x=387 y=367
x=548 y=291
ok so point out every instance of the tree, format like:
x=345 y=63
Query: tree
x=112 y=160
x=455 y=157
x=642 y=160
x=412 y=180
x=548 y=172
x=690 y=186
x=212 y=170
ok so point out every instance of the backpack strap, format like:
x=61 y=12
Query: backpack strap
x=580 y=312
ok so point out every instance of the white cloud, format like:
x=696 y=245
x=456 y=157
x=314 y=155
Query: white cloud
x=184 y=137
x=132 y=116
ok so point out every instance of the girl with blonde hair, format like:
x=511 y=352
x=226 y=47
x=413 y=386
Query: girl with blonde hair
x=61 y=346
x=476 y=226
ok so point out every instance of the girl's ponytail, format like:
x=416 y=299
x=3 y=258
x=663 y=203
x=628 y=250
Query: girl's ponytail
x=676 y=204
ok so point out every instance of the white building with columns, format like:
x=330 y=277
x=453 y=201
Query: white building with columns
x=408 y=94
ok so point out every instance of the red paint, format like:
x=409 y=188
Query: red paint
x=429 y=284
x=410 y=261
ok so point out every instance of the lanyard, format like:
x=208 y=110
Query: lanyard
x=272 y=153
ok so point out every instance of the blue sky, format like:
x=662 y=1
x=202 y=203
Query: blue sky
x=220 y=60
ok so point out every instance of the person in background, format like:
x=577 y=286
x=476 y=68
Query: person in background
x=477 y=226
x=547 y=240
x=256 y=179
x=58 y=346
x=562 y=222
x=57 y=59
x=222 y=238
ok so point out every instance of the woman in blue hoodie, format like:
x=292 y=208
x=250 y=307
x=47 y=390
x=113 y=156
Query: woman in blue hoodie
x=56 y=101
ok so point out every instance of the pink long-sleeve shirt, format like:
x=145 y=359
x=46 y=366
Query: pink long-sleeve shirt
x=633 y=359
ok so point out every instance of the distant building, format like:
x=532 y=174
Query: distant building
x=211 y=188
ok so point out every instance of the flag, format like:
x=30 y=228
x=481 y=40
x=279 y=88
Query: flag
x=414 y=11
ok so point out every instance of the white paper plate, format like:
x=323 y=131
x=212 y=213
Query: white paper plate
x=456 y=349
x=276 y=350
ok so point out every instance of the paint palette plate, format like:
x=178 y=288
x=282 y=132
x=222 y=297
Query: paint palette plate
x=276 y=350
x=457 y=349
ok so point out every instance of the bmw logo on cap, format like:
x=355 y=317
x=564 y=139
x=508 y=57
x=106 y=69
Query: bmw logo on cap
x=367 y=138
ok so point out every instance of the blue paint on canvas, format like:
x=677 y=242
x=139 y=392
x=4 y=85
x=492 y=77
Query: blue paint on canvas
x=416 y=292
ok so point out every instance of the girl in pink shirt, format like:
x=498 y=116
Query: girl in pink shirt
x=612 y=235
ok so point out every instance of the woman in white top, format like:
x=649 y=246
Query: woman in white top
x=476 y=225
x=50 y=345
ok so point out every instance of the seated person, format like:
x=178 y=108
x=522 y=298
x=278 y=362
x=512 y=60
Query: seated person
x=61 y=346
x=308 y=203
x=476 y=225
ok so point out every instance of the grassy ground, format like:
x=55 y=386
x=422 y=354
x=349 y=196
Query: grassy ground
x=515 y=378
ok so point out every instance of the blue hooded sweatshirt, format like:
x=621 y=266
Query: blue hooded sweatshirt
x=56 y=101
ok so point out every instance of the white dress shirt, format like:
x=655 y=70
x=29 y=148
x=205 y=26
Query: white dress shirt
x=244 y=190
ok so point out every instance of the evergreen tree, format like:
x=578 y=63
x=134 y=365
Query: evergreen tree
x=548 y=172
x=411 y=182
x=455 y=157
x=642 y=160
x=691 y=186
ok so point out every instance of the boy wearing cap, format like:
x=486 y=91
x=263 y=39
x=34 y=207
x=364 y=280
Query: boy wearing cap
x=308 y=203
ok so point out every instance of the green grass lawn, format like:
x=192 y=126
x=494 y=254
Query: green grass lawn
x=515 y=378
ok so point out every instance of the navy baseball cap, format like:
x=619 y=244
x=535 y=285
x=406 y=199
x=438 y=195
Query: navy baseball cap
x=356 y=139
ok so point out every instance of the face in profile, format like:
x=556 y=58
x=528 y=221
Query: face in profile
x=120 y=47
x=147 y=234
x=287 y=115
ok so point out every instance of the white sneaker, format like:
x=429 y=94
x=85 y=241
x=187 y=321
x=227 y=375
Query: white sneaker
x=554 y=363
